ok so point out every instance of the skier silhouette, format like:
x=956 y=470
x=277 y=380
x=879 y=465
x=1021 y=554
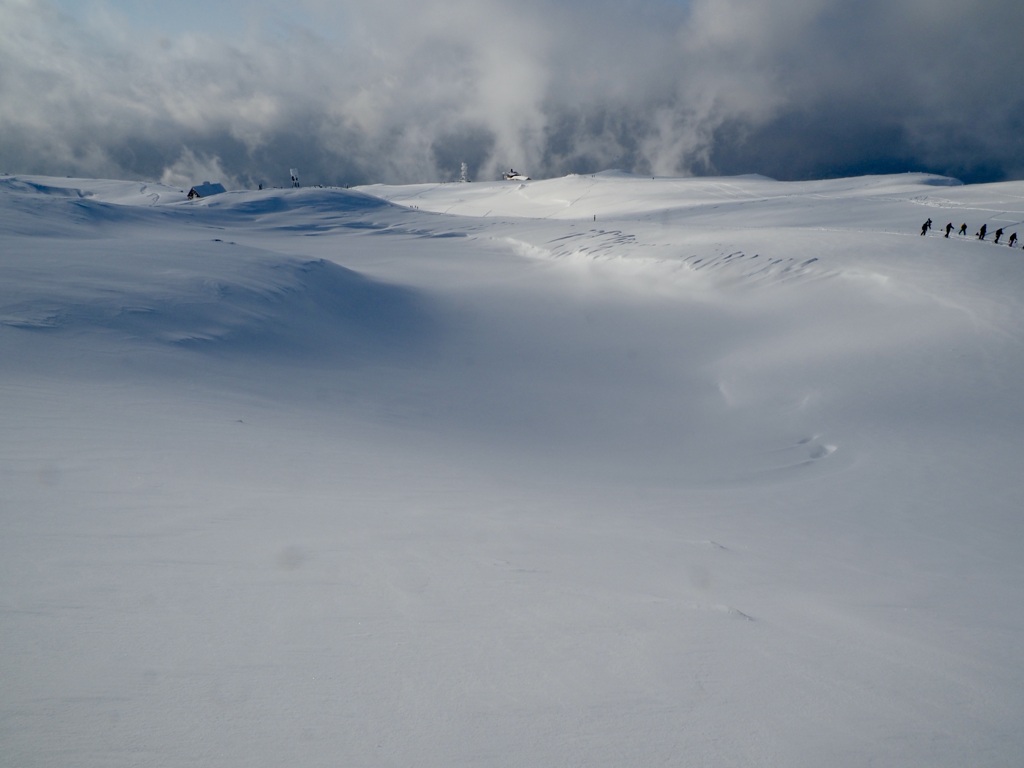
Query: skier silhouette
x=999 y=233
x=926 y=226
x=982 y=231
x=949 y=228
x=1013 y=239
x=963 y=228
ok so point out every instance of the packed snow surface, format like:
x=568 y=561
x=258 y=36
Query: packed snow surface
x=593 y=471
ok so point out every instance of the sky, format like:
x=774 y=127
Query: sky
x=402 y=91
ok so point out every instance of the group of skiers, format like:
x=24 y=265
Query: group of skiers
x=980 y=234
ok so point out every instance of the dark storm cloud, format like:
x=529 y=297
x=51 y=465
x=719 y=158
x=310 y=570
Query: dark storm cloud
x=407 y=91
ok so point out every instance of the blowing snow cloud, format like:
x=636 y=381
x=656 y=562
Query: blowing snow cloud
x=401 y=91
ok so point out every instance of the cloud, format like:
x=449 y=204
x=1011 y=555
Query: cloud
x=402 y=91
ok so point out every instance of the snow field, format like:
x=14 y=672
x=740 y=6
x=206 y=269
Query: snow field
x=591 y=471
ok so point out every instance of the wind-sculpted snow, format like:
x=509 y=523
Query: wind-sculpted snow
x=108 y=191
x=603 y=470
x=31 y=214
x=314 y=201
x=215 y=293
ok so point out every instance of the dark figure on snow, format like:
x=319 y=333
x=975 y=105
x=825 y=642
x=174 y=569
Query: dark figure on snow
x=1013 y=239
x=926 y=226
x=949 y=228
x=963 y=228
x=999 y=233
x=983 y=231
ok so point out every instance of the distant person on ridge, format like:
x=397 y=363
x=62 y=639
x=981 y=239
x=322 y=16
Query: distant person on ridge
x=926 y=226
x=1013 y=239
x=963 y=228
x=999 y=233
x=949 y=228
x=982 y=231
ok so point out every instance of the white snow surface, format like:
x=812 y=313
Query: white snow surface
x=593 y=471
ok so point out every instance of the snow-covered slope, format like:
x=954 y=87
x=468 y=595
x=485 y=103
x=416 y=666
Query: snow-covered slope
x=600 y=470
